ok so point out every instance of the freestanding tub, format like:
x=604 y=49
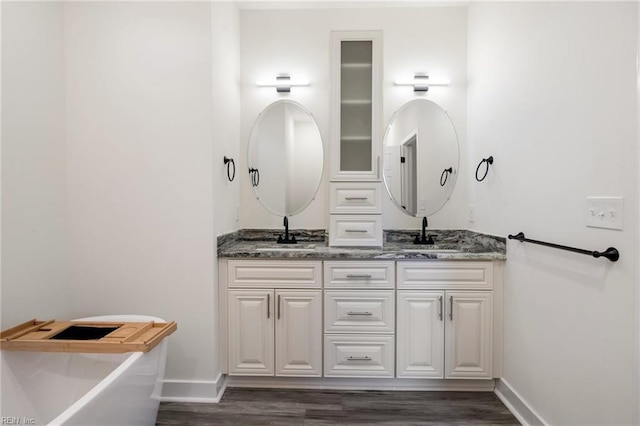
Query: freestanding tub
x=83 y=389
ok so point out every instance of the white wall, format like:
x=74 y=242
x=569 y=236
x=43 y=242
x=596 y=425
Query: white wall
x=225 y=71
x=140 y=174
x=552 y=96
x=34 y=266
x=429 y=39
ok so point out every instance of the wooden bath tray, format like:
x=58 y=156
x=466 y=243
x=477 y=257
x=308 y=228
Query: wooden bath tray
x=83 y=336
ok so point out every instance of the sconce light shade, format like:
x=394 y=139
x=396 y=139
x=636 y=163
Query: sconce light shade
x=282 y=83
x=420 y=82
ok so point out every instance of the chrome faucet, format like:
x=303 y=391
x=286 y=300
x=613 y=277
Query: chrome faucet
x=286 y=239
x=423 y=239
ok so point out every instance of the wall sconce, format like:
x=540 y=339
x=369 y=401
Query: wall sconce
x=282 y=83
x=420 y=82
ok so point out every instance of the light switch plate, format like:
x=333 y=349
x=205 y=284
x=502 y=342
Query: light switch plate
x=604 y=212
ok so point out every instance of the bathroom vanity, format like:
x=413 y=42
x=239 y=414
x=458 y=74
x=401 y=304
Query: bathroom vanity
x=398 y=316
x=359 y=306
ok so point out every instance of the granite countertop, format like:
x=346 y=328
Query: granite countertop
x=398 y=245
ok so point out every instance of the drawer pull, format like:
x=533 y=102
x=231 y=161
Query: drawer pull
x=362 y=231
x=356 y=198
x=360 y=313
x=359 y=358
x=358 y=276
x=451 y=308
x=278 y=306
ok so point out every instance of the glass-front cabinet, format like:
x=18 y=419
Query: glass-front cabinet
x=356 y=143
x=356 y=105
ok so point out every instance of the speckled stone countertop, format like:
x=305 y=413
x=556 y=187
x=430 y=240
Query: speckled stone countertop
x=398 y=245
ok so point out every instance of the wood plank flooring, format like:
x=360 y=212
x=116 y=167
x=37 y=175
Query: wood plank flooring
x=324 y=407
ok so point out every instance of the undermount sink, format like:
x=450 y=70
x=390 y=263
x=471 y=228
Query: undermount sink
x=284 y=249
x=292 y=247
x=431 y=250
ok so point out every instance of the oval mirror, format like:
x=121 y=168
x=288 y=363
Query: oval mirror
x=420 y=158
x=285 y=158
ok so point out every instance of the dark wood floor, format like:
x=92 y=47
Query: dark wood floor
x=318 y=407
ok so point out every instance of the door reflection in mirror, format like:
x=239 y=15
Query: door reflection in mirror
x=420 y=142
x=286 y=146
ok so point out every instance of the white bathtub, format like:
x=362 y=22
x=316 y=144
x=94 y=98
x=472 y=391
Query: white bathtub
x=83 y=389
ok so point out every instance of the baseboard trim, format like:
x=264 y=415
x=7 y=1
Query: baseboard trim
x=222 y=386
x=360 y=384
x=517 y=405
x=205 y=391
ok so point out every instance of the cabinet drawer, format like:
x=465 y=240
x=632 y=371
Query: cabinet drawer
x=356 y=197
x=274 y=274
x=358 y=311
x=445 y=275
x=359 y=274
x=358 y=356
x=356 y=230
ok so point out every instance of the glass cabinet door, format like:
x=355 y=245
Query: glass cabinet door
x=356 y=105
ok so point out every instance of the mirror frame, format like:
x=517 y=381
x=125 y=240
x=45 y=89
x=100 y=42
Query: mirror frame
x=251 y=135
x=456 y=170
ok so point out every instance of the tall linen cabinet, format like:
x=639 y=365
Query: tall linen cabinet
x=355 y=142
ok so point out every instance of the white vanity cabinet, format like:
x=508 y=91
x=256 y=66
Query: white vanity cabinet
x=331 y=320
x=445 y=320
x=274 y=331
x=359 y=303
x=355 y=142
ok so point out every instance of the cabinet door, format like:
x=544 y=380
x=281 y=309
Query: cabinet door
x=468 y=335
x=356 y=101
x=251 y=333
x=299 y=333
x=420 y=334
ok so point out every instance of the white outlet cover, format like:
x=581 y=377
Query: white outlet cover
x=604 y=212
